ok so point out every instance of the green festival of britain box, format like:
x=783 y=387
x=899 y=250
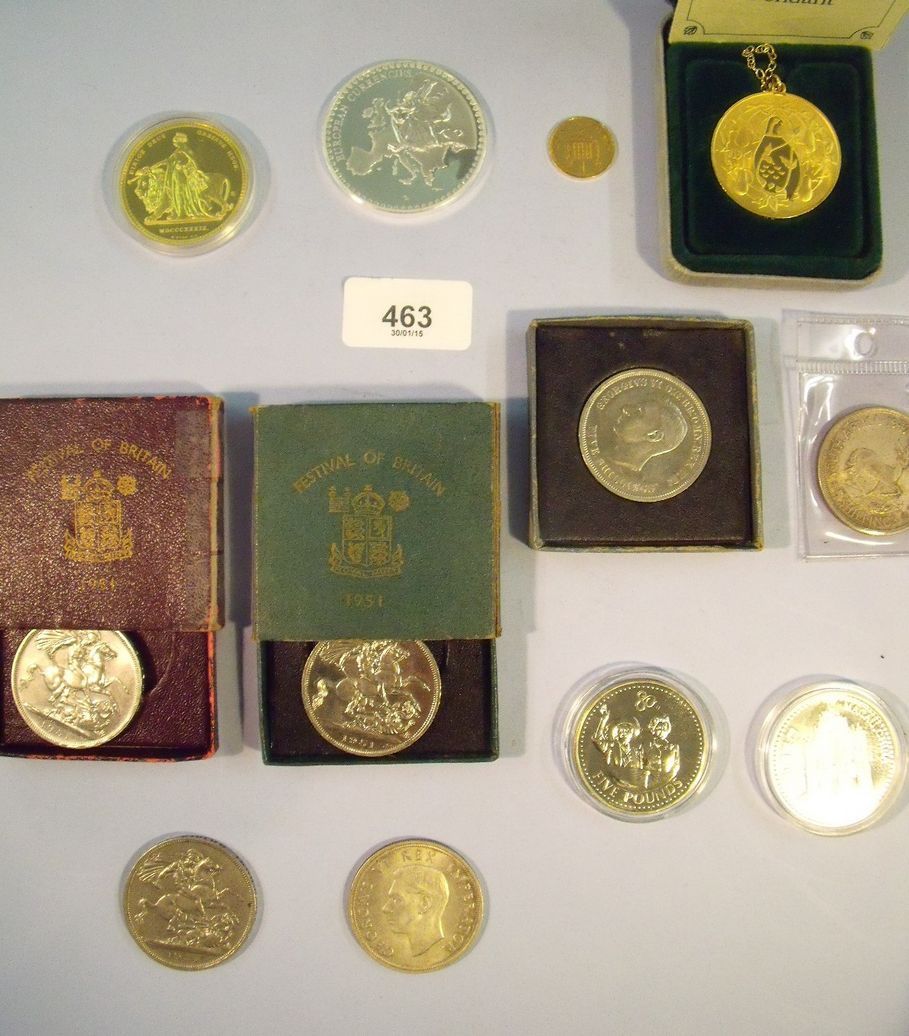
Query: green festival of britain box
x=376 y=546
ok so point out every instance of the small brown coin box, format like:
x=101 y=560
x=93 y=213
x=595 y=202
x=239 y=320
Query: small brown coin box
x=111 y=512
x=570 y=509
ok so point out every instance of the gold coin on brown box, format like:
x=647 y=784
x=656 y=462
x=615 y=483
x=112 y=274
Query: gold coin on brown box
x=641 y=748
x=190 y=903
x=77 y=688
x=582 y=147
x=185 y=183
x=415 y=906
x=644 y=435
x=371 y=697
x=863 y=470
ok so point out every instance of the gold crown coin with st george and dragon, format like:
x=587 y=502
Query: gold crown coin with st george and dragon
x=371 y=697
x=644 y=435
x=863 y=470
x=185 y=184
x=640 y=748
x=415 y=906
x=190 y=903
x=77 y=688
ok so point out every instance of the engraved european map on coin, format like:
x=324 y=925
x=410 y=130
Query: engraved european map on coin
x=644 y=435
x=185 y=182
x=640 y=748
x=832 y=757
x=415 y=906
x=863 y=470
x=77 y=688
x=371 y=697
x=404 y=136
x=581 y=147
x=190 y=903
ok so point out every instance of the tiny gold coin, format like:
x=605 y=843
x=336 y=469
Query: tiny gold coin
x=415 y=906
x=644 y=435
x=776 y=155
x=640 y=748
x=77 y=688
x=582 y=147
x=863 y=470
x=831 y=757
x=185 y=183
x=189 y=903
x=371 y=697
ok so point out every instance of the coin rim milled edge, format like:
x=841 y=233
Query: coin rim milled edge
x=393 y=846
x=320 y=730
x=241 y=867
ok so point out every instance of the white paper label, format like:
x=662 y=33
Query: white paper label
x=394 y=313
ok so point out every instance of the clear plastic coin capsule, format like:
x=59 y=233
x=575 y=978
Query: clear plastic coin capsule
x=830 y=756
x=638 y=743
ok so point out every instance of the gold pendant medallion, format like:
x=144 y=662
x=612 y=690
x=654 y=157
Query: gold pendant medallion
x=774 y=153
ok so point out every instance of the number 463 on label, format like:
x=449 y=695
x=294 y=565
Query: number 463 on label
x=395 y=313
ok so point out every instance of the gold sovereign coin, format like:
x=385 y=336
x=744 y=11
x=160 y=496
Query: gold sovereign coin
x=863 y=470
x=184 y=184
x=640 y=748
x=776 y=155
x=644 y=435
x=371 y=697
x=831 y=757
x=77 y=688
x=582 y=147
x=189 y=903
x=415 y=906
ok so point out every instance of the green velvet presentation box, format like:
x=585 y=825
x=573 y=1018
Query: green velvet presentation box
x=823 y=56
x=374 y=522
x=570 y=362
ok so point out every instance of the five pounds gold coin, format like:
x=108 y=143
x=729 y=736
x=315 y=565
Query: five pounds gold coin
x=190 y=903
x=77 y=688
x=639 y=748
x=644 y=435
x=415 y=906
x=863 y=470
x=582 y=147
x=184 y=185
x=371 y=697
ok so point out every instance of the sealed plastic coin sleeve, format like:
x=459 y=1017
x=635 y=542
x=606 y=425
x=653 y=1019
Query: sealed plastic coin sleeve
x=829 y=754
x=849 y=395
x=184 y=183
x=405 y=139
x=639 y=742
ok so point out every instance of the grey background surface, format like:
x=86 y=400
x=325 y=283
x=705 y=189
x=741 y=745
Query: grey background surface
x=722 y=919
